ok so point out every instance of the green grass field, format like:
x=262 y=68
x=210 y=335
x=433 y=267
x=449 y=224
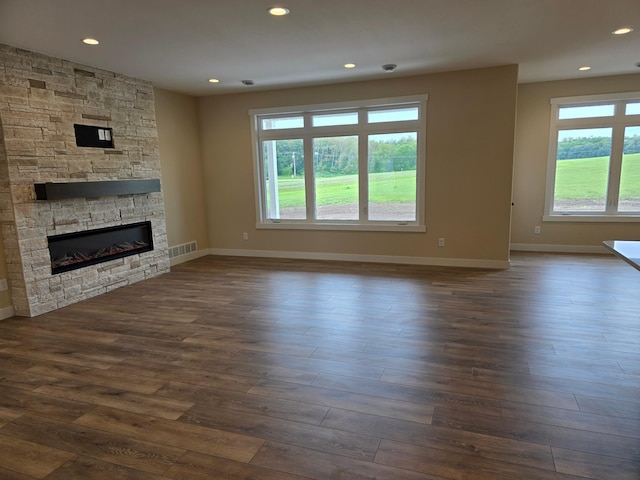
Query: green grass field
x=587 y=178
x=576 y=179
x=392 y=187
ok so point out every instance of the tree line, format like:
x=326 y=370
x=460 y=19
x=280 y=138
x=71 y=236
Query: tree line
x=589 y=147
x=337 y=156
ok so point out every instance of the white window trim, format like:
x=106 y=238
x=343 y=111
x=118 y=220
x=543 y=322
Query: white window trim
x=419 y=125
x=619 y=120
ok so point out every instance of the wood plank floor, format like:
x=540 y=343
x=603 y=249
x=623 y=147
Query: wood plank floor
x=238 y=368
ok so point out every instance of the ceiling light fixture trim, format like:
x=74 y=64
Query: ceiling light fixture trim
x=622 y=31
x=90 y=41
x=279 y=11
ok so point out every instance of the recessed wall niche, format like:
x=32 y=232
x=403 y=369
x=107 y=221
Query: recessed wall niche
x=92 y=136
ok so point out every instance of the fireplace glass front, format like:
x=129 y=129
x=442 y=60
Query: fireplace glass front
x=80 y=249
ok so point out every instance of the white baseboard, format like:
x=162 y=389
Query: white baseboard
x=347 y=257
x=537 y=247
x=7 y=312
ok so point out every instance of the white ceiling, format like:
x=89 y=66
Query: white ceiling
x=179 y=44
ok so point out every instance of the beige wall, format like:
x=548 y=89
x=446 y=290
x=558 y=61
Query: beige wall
x=470 y=125
x=182 y=183
x=530 y=168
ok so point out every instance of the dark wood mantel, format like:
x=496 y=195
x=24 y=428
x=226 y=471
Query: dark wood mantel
x=59 y=191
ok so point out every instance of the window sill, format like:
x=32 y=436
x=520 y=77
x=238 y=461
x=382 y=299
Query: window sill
x=361 y=227
x=591 y=218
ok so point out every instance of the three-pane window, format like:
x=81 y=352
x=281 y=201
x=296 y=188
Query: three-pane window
x=359 y=164
x=594 y=161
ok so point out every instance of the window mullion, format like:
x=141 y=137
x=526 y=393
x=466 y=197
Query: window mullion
x=575 y=123
x=272 y=182
x=363 y=176
x=615 y=168
x=363 y=165
x=309 y=178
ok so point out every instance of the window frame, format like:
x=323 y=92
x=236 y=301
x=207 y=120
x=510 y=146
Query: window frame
x=362 y=129
x=617 y=122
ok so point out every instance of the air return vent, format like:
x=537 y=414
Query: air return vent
x=183 y=249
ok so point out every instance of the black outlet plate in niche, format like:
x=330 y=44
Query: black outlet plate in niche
x=92 y=136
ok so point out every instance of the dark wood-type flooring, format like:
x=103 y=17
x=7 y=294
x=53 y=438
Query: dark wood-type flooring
x=238 y=368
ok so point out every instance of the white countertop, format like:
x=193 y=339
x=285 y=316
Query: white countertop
x=628 y=250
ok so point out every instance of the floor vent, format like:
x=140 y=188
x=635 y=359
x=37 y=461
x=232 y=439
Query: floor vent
x=183 y=249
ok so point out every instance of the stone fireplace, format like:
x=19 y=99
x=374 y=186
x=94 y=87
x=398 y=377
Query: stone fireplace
x=41 y=100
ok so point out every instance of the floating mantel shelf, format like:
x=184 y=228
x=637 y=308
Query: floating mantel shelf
x=59 y=191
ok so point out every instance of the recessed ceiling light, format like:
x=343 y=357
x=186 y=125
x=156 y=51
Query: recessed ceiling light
x=349 y=65
x=214 y=80
x=278 y=11
x=248 y=83
x=622 y=30
x=584 y=69
x=90 y=41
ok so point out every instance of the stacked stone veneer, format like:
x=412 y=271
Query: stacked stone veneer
x=40 y=100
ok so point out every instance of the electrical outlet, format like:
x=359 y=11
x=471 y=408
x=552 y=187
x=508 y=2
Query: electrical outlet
x=441 y=242
x=3 y=285
x=245 y=236
x=536 y=229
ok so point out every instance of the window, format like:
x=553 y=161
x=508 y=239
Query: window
x=358 y=165
x=594 y=159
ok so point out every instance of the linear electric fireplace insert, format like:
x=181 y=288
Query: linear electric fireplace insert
x=80 y=249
